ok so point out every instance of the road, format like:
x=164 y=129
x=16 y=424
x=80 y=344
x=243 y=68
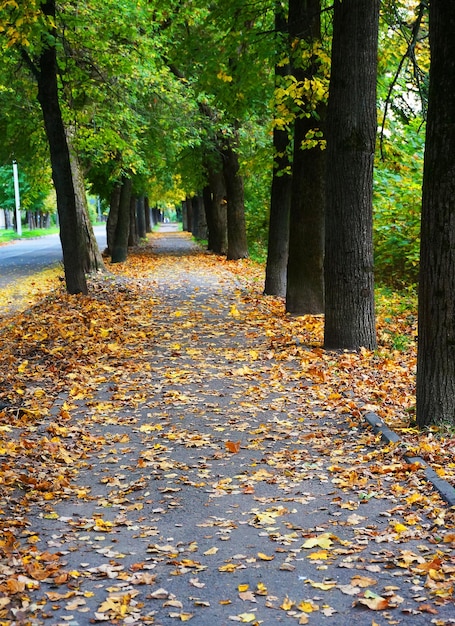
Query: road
x=27 y=256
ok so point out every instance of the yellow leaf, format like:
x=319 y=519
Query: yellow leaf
x=265 y=557
x=261 y=589
x=399 y=528
x=307 y=606
x=247 y=618
x=213 y=550
x=322 y=586
x=229 y=567
x=22 y=367
x=320 y=555
x=185 y=617
x=323 y=541
x=242 y=588
x=287 y=604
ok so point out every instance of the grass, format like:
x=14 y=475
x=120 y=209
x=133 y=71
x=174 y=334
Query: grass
x=11 y=235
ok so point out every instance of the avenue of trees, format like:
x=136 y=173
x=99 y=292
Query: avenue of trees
x=297 y=125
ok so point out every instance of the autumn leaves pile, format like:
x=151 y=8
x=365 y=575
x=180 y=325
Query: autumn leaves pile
x=59 y=351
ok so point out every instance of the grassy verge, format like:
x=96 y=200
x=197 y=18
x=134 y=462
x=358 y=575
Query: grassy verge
x=11 y=235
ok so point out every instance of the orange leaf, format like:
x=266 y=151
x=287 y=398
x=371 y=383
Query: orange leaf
x=233 y=446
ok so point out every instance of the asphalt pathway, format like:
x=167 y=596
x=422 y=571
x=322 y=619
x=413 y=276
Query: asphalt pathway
x=217 y=490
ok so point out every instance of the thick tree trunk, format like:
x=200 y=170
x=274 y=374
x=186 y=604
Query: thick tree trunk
x=93 y=261
x=351 y=135
x=122 y=231
x=215 y=210
x=112 y=218
x=189 y=214
x=305 y=271
x=70 y=232
x=280 y=197
x=236 y=226
x=199 y=219
x=280 y=202
x=436 y=348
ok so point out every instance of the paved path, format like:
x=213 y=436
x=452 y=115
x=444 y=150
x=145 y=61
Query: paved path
x=218 y=489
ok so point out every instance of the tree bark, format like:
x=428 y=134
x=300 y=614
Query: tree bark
x=236 y=226
x=280 y=197
x=133 y=237
x=351 y=135
x=112 y=218
x=92 y=259
x=436 y=333
x=305 y=271
x=141 y=224
x=200 y=221
x=215 y=209
x=189 y=214
x=70 y=232
x=122 y=231
x=148 y=216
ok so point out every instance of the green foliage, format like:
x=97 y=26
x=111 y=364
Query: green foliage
x=397 y=202
x=32 y=193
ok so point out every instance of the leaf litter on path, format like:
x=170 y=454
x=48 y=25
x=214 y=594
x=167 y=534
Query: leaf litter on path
x=174 y=448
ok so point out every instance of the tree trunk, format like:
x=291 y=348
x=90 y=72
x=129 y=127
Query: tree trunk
x=141 y=225
x=436 y=347
x=215 y=210
x=305 y=271
x=70 y=232
x=122 y=231
x=236 y=226
x=351 y=135
x=199 y=219
x=189 y=214
x=280 y=197
x=93 y=261
x=133 y=238
x=112 y=218
x=148 y=216
x=195 y=214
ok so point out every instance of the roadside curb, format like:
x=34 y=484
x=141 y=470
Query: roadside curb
x=445 y=489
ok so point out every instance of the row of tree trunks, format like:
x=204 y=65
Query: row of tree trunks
x=219 y=212
x=130 y=219
x=330 y=258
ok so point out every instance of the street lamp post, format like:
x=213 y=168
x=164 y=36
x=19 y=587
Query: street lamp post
x=18 y=200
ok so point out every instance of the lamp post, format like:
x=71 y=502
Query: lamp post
x=18 y=200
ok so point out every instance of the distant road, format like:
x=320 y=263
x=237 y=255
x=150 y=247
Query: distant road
x=24 y=257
